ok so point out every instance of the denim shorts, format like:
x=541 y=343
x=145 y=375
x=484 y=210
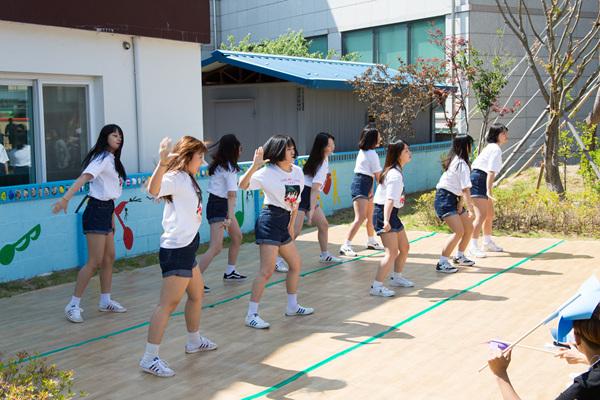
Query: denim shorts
x=395 y=222
x=216 y=209
x=97 y=217
x=361 y=186
x=446 y=204
x=305 y=199
x=272 y=226
x=181 y=261
x=479 y=184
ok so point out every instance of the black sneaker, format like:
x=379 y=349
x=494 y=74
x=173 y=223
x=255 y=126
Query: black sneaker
x=445 y=268
x=234 y=277
x=206 y=289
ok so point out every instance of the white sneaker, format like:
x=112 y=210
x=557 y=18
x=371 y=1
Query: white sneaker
x=254 y=321
x=381 y=291
x=300 y=311
x=401 y=282
x=346 y=250
x=281 y=266
x=464 y=261
x=375 y=246
x=328 y=258
x=205 y=345
x=112 y=306
x=157 y=367
x=492 y=247
x=445 y=267
x=476 y=252
x=73 y=313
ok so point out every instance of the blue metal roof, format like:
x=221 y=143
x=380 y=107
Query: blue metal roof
x=310 y=72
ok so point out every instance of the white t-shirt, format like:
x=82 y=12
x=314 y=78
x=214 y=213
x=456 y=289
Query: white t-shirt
x=367 y=163
x=392 y=188
x=105 y=184
x=223 y=181
x=490 y=159
x=182 y=216
x=21 y=157
x=281 y=188
x=456 y=178
x=3 y=155
x=320 y=176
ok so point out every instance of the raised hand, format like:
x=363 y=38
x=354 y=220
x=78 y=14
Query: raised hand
x=164 y=151
x=258 y=160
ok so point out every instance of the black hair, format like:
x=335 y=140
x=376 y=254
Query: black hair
x=226 y=155
x=275 y=147
x=317 y=153
x=368 y=138
x=495 y=130
x=461 y=147
x=391 y=159
x=100 y=149
x=20 y=137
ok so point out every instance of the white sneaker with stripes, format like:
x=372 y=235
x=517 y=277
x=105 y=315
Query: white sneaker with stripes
x=73 y=313
x=375 y=246
x=300 y=311
x=492 y=247
x=112 y=306
x=381 y=291
x=254 y=321
x=280 y=265
x=156 y=367
x=347 y=250
x=401 y=281
x=205 y=345
x=328 y=258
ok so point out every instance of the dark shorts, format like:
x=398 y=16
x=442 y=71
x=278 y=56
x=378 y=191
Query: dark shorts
x=305 y=199
x=395 y=222
x=272 y=226
x=181 y=261
x=216 y=209
x=446 y=204
x=361 y=186
x=97 y=217
x=479 y=182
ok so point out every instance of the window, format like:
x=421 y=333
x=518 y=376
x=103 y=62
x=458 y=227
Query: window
x=420 y=41
x=392 y=44
x=50 y=148
x=318 y=44
x=17 y=161
x=360 y=42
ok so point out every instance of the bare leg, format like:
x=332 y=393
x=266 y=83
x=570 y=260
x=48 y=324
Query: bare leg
x=96 y=245
x=215 y=246
x=268 y=253
x=171 y=293
x=390 y=242
x=235 y=233
x=106 y=267
x=193 y=305
x=403 y=248
x=320 y=221
x=467 y=224
x=291 y=256
x=481 y=208
x=489 y=218
x=298 y=223
x=369 y=216
x=455 y=223
x=360 y=213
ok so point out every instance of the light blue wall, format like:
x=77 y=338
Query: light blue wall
x=60 y=243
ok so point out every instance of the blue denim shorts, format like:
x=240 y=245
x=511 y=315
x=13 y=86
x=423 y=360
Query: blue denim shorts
x=216 y=209
x=395 y=222
x=361 y=186
x=272 y=226
x=305 y=199
x=446 y=204
x=181 y=261
x=97 y=217
x=479 y=184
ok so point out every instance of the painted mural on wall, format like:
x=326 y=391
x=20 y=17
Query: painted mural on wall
x=7 y=252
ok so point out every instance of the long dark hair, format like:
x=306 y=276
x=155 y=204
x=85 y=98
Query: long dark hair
x=461 y=147
x=185 y=148
x=495 y=130
x=226 y=155
x=101 y=149
x=317 y=153
x=391 y=159
x=275 y=147
x=368 y=138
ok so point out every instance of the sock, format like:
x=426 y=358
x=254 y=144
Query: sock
x=324 y=253
x=443 y=259
x=396 y=275
x=377 y=284
x=292 y=302
x=372 y=239
x=74 y=301
x=193 y=338
x=474 y=243
x=460 y=253
x=487 y=239
x=252 y=308
x=230 y=269
x=151 y=351
x=348 y=243
x=104 y=298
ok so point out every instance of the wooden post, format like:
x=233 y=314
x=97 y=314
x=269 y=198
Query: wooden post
x=539 y=181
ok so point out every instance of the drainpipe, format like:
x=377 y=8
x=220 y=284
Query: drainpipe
x=137 y=98
x=214 y=4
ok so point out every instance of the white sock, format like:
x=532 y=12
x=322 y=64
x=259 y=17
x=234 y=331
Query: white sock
x=460 y=253
x=377 y=284
x=474 y=243
x=396 y=275
x=443 y=259
x=292 y=302
x=372 y=239
x=104 y=298
x=151 y=351
x=324 y=253
x=348 y=243
x=487 y=239
x=193 y=338
x=252 y=308
x=74 y=301
x=230 y=269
